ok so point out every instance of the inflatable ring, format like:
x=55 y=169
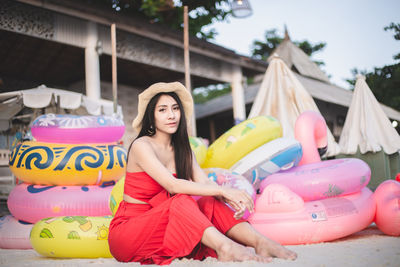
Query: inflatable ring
x=66 y=164
x=14 y=234
x=240 y=140
x=116 y=196
x=32 y=203
x=271 y=157
x=324 y=179
x=234 y=180
x=72 y=129
x=284 y=217
x=72 y=237
x=387 y=218
x=199 y=149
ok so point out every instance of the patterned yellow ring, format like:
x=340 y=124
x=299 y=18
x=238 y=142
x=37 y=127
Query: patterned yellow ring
x=67 y=164
x=241 y=140
x=72 y=237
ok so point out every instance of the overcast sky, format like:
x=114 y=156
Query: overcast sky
x=352 y=30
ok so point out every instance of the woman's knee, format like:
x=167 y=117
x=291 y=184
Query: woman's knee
x=207 y=199
x=183 y=199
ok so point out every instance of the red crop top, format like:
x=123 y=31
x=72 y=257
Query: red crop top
x=141 y=186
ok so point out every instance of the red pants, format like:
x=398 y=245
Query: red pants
x=172 y=229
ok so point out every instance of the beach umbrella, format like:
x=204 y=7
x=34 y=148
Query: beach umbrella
x=282 y=96
x=42 y=97
x=366 y=125
x=52 y=100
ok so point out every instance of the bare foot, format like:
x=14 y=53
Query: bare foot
x=268 y=248
x=236 y=252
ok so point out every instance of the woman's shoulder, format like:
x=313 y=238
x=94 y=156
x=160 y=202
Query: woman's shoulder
x=142 y=144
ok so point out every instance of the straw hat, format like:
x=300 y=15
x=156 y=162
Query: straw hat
x=145 y=97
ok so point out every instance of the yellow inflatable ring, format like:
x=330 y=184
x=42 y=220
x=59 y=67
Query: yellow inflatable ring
x=199 y=149
x=241 y=140
x=67 y=164
x=72 y=237
x=116 y=196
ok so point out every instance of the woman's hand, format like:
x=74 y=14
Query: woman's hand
x=239 y=200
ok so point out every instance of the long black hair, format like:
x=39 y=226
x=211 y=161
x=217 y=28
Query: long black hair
x=179 y=139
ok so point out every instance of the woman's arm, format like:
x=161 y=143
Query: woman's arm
x=199 y=176
x=143 y=154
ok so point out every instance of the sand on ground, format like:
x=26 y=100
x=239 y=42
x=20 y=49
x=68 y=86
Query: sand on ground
x=369 y=247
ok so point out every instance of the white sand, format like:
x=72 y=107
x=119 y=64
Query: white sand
x=366 y=248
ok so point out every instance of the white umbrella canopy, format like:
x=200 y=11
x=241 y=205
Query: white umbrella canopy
x=11 y=103
x=366 y=125
x=282 y=96
x=42 y=96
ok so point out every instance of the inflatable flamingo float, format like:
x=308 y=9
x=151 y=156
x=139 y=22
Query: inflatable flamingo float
x=314 y=144
x=314 y=179
x=317 y=201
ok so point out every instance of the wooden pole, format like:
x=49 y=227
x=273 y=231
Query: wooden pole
x=186 y=47
x=193 y=131
x=114 y=65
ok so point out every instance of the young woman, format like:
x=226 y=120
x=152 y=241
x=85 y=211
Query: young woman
x=158 y=220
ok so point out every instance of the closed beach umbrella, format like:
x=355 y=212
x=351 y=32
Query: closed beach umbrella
x=366 y=125
x=282 y=96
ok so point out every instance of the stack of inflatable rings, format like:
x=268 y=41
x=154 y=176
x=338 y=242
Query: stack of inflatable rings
x=69 y=171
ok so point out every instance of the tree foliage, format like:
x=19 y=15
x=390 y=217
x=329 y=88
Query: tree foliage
x=203 y=94
x=201 y=13
x=384 y=81
x=396 y=28
x=263 y=49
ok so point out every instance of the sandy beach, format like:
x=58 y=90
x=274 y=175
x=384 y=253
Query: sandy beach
x=369 y=247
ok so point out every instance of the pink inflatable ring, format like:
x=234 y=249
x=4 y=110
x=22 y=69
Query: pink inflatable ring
x=323 y=179
x=14 y=234
x=284 y=217
x=387 y=216
x=32 y=203
x=72 y=129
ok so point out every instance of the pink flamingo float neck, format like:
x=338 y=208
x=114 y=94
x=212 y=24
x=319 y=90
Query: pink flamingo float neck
x=311 y=131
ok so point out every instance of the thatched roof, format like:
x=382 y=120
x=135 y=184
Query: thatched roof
x=297 y=60
x=319 y=90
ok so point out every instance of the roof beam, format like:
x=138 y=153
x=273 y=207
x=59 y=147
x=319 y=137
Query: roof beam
x=86 y=13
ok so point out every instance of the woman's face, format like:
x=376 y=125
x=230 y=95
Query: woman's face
x=167 y=114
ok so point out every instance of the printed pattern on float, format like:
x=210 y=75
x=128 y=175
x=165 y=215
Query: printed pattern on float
x=31 y=203
x=278 y=154
x=329 y=178
x=72 y=237
x=75 y=121
x=283 y=216
x=74 y=129
x=240 y=140
x=39 y=163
